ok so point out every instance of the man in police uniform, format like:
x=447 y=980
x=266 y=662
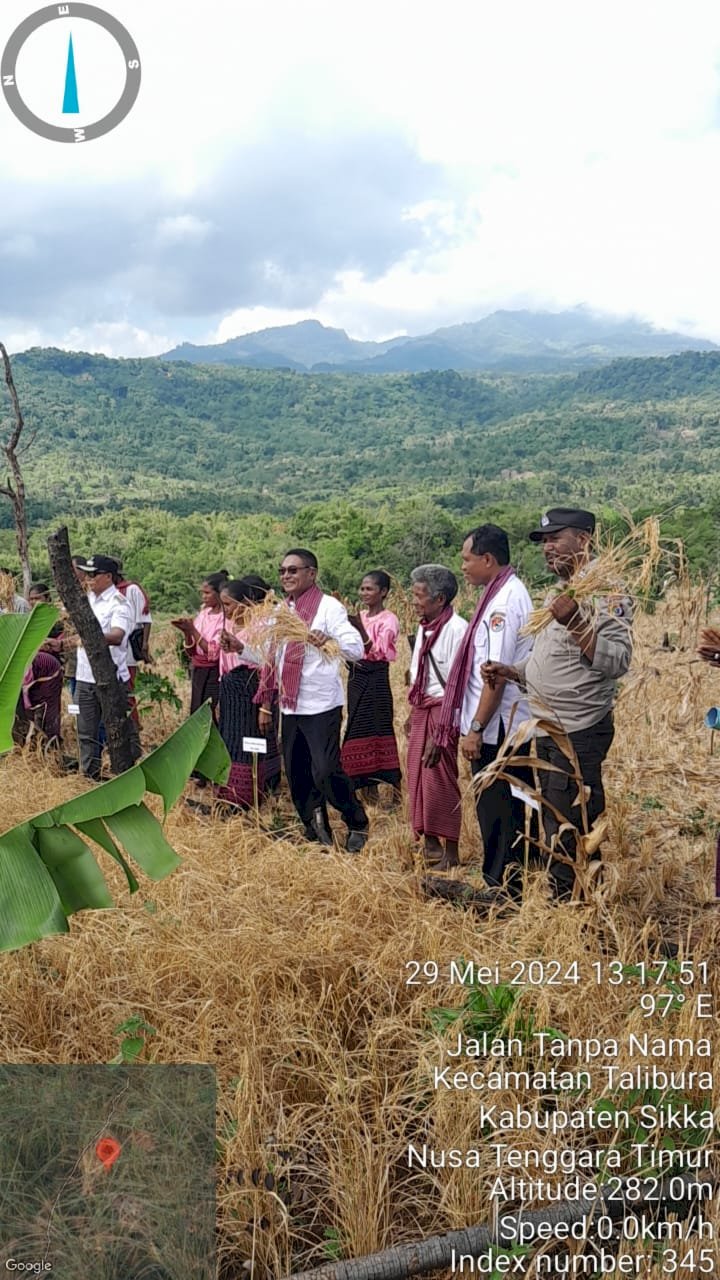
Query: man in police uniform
x=570 y=677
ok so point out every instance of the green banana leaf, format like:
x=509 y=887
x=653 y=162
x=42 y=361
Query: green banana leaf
x=48 y=871
x=21 y=635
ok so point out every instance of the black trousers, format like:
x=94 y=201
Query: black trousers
x=89 y=721
x=311 y=754
x=501 y=815
x=591 y=747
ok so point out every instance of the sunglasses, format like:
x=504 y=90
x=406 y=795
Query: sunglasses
x=285 y=572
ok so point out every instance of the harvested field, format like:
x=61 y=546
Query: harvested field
x=284 y=966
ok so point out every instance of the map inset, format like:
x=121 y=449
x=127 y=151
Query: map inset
x=107 y=1172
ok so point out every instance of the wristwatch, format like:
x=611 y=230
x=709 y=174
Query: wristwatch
x=476 y=726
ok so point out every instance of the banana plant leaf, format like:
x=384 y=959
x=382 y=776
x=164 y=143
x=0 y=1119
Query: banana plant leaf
x=48 y=870
x=21 y=635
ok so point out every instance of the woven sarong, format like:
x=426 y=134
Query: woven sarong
x=369 y=752
x=238 y=720
x=435 y=806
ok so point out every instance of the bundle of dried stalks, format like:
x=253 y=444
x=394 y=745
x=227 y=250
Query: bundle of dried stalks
x=7 y=592
x=628 y=567
x=272 y=624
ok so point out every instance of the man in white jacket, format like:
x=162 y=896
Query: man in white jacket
x=311 y=698
x=486 y=712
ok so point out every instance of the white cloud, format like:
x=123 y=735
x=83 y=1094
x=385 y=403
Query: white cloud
x=114 y=339
x=19 y=246
x=22 y=339
x=182 y=228
x=579 y=147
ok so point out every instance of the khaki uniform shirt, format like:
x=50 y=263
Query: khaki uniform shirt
x=562 y=685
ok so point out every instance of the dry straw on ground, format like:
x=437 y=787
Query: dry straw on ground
x=285 y=967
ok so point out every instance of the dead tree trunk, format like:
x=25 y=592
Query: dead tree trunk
x=436 y=1253
x=117 y=721
x=14 y=489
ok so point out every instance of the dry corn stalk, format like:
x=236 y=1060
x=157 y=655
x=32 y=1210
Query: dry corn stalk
x=7 y=592
x=627 y=567
x=272 y=623
x=403 y=606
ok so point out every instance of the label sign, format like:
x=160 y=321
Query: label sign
x=255 y=746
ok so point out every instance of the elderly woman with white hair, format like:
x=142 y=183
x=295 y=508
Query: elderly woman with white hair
x=432 y=771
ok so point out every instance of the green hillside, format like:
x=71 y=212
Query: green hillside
x=116 y=438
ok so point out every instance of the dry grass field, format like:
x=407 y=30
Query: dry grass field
x=284 y=966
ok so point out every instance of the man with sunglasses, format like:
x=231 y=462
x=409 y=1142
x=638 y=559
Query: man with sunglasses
x=311 y=703
x=114 y=614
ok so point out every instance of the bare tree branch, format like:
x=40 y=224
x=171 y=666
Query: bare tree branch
x=14 y=491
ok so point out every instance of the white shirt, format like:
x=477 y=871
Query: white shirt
x=140 y=615
x=111 y=610
x=321 y=688
x=20 y=605
x=443 y=652
x=496 y=639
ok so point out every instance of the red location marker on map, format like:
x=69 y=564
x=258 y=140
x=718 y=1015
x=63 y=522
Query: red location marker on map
x=107 y=1151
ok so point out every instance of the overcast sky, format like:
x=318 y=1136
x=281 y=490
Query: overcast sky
x=386 y=167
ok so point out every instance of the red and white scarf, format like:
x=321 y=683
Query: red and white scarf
x=306 y=606
x=431 y=632
x=449 y=727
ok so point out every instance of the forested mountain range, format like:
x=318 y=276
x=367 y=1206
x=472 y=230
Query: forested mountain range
x=523 y=341
x=184 y=465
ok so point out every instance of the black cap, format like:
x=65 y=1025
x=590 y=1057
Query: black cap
x=563 y=518
x=99 y=564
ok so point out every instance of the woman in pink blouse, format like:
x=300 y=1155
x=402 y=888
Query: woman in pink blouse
x=369 y=753
x=202 y=642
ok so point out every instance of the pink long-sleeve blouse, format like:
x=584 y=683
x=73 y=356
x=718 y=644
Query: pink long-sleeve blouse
x=209 y=625
x=383 y=629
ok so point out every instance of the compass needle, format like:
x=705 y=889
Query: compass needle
x=70 y=100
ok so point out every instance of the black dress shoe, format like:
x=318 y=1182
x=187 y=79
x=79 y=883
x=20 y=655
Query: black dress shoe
x=319 y=826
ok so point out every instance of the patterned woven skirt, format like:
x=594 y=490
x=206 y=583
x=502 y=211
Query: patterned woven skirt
x=435 y=801
x=203 y=685
x=238 y=720
x=369 y=753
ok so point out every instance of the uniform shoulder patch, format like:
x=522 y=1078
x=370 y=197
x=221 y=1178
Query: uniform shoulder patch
x=497 y=621
x=615 y=605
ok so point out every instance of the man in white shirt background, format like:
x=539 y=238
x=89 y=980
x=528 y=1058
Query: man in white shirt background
x=114 y=615
x=311 y=698
x=18 y=603
x=139 y=631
